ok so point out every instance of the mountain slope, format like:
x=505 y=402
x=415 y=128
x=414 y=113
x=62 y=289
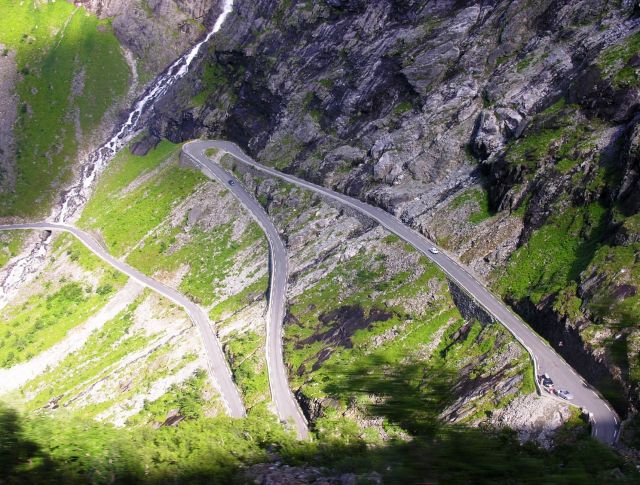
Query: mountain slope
x=506 y=131
x=70 y=73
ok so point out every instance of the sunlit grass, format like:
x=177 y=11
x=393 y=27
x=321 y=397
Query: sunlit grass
x=57 y=44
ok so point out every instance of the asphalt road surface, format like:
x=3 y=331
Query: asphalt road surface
x=605 y=422
x=218 y=366
x=286 y=406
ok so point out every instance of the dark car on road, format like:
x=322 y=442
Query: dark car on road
x=545 y=381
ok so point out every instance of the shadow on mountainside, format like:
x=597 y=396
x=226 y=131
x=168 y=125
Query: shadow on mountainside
x=73 y=449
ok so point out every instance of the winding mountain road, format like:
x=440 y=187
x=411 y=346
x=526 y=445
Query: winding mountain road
x=218 y=366
x=605 y=422
x=286 y=406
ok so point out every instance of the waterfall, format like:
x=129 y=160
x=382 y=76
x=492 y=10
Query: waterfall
x=74 y=197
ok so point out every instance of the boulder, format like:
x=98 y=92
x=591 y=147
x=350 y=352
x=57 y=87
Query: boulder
x=144 y=146
x=387 y=169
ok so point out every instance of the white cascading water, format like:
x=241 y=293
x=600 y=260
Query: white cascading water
x=73 y=198
x=77 y=195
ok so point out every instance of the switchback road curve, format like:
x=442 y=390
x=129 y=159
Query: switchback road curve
x=605 y=422
x=218 y=366
x=286 y=406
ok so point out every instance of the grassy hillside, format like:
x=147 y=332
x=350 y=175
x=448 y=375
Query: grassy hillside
x=65 y=294
x=372 y=336
x=10 y=244
x=163 y=218
x=217 y=450
x=173 y=223
x=140 y=367
x=574 y=274
x=379 y=345
x=72 y=71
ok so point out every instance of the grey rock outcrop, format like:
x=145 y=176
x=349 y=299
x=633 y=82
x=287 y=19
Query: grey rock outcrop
x=156 y=31
x=387 y=169
x=8 y=115
x=424 y=80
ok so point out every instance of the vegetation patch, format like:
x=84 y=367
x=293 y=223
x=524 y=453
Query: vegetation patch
x=356 y=337
x=74 y=448
x=219 y=450
x=123 y=170
x=402 y=107
x=186 y=400
x=557 y=135
x=617 y=301
x=104 y=348
x=555 y=254
x=125 y=217
x=11 y=243
x=237 y=302
x=45 y=318
x=478 y=198
x=213 y=78
x=211 y=256
x=246 y=353
x=132 y=206
x=615 y=61
x=72 y=70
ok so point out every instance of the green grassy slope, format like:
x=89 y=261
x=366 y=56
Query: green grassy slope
x=427 y=347
x=577 y=265
x=59 y=303
x=103 y=349
x=555 y=255
x=75 y=449
x=122 y=351
x=132 y=208
x=124 y=217
x=72 y=70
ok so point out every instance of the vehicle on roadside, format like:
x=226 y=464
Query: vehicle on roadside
x=434 y=251
x=546 y=382
x=232 y=182
x=561 y=393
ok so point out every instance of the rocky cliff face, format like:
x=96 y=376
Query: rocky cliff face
x=8 y=115
x=479 y=123
x=156 y=31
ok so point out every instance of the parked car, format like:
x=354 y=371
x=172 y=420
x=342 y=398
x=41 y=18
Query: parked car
x=545 y=381
x=564 y=394
x=434 y=251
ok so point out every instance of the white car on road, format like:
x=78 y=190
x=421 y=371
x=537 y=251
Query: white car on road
x=434 y=251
